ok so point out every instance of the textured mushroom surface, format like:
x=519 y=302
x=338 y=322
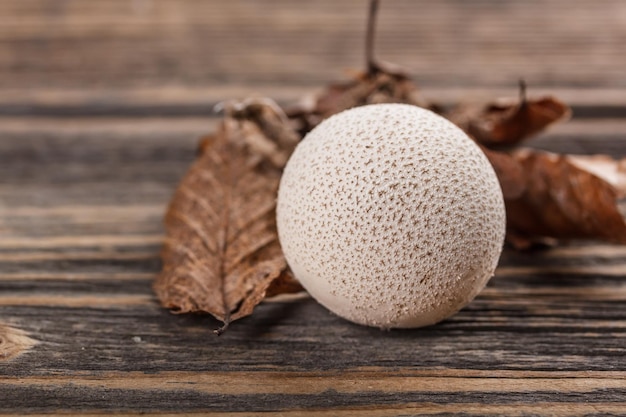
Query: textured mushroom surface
x=390 y=216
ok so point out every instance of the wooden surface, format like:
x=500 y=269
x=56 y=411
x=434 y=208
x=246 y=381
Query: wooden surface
x=101 y=106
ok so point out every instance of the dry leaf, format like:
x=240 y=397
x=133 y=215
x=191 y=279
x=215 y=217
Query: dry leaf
x=510 y=173
x=264 y=127
x=380 y=83
x=549 y=197
x=221 y=254
x=508 y=122
x=610 y=170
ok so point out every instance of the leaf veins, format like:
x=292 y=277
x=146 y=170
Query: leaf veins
x=221 y=254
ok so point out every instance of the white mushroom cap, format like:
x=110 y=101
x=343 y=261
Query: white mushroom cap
x=390 y=216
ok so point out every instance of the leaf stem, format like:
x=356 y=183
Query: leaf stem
x=522 y=92
x=222 y=328
x=370 y=61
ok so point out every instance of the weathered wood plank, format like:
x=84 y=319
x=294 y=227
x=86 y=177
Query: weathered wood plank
x=499 y=331
x=121 y=43
x=272 y=391
x=423 y=409
x=101 y=107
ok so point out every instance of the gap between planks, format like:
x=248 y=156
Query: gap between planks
x=199 y=102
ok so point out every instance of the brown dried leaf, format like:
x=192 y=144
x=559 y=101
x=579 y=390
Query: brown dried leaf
x=610 y=170
x=549 y=197
x=380 y=83
x=510 y=173
x=508 y=122
x=221 y=254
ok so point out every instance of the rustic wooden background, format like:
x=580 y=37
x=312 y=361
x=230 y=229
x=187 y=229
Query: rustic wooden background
x=101 y=106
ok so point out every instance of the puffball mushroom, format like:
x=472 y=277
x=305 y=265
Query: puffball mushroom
x=390 y=216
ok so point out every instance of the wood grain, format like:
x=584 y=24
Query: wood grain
x=13 y=342
x=101 y=107
x=148 y=42
x=76 y=266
